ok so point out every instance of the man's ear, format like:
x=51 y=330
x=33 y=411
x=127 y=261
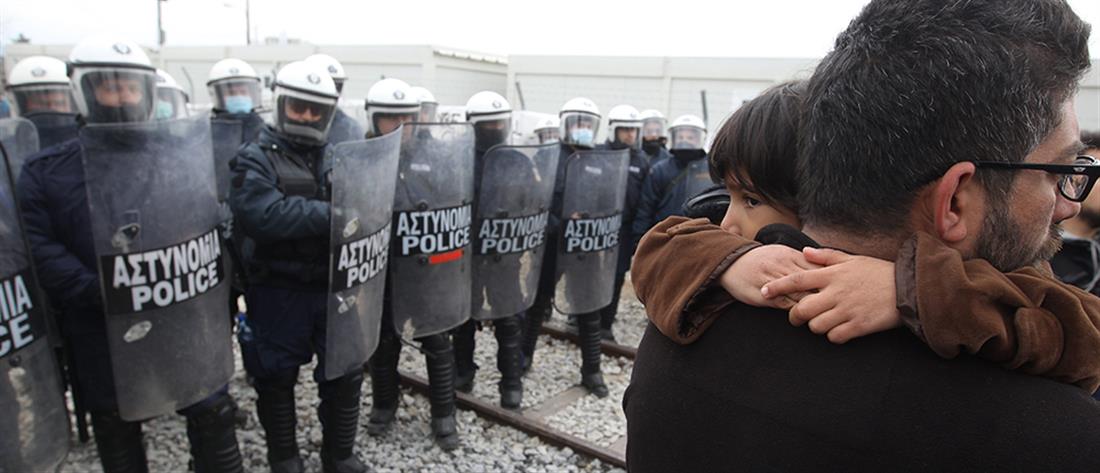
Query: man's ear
x=956 y=203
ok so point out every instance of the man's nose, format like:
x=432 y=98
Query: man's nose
x=1065 y=209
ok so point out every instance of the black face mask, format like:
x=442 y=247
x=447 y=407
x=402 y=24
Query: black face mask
x=124 y=114
x=486 y=138
x=688 y=154
x=618 y=145
x=651 y=146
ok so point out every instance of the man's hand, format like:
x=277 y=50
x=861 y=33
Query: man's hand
x=852 y=296
x=746 y=276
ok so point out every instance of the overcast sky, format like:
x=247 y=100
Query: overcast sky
x=734 y=28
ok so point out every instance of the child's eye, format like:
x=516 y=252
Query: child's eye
x=751 y=202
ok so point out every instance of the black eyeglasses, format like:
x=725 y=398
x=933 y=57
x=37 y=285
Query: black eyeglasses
x=1075 y=180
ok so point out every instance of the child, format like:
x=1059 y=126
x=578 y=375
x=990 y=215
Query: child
x=685 y=271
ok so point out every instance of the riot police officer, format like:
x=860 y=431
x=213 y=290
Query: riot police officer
x=654 y=136
x=172 y=100
x=624 y=125
x=279 y=197
x=39 y=86
x=344 y=128
x=428 y=105
x=580 y=121
x=548 y=130
x=491 y=116
x=672 y=182
x=234 y=89
x=113 y=85
x=390 y=104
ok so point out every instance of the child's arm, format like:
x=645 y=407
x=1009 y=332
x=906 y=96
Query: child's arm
x=1025 y=319
x=684 y=274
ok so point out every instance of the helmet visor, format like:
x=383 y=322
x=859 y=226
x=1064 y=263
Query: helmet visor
x=304 y=117
x=653 y=128
x=427 y=112
x=118 y=95
x=171 y=103
x=55 y=98
x=579 y=129
x=629 y=134
x=687 y=137
x=383 y=122
x=240 y=95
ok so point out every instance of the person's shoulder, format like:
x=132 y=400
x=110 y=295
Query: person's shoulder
x=52 y=156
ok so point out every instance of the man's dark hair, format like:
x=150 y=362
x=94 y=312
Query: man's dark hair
x=915 y=86
x=1091 y=139
x=758 y=145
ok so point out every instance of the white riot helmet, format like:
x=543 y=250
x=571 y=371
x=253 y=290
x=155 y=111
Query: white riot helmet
x=428 y=104
x=687 y=132
x=580 y=121
x=171 y=98
x=653 y=125
x=390 y=103
x=40 y=84
x=491 y=116
x=305 y=102
x=624 y=117
x=548 y=130
x=234 y=86
x=333 y=67
x=123 y=75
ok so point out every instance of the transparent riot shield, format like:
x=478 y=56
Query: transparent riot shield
x=363 y=178
x=698 y=177
x=154 y=213
x=54 y=128
x=432 y=213
x=33 y=419
x=20 y=139
x=226 y=137
x=344 y=128
x=509 y=234
x=592 y=205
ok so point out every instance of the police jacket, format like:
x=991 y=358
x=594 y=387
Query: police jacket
x=665 y=190
x=656 y=154
x=54 y=206
x=279 y=196
x=251 y=123
x=344 y=128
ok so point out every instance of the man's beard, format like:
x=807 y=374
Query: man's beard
x=1001 y=237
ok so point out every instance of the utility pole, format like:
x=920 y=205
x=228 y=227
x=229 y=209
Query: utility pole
x=160 y=35
x=248 y=22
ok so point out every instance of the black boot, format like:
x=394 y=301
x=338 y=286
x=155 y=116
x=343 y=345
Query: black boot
x=509 y=331
x=384 y=384
x=465 y=368
x=213 y=435
x=339 y=414
x=591 y=377
x=534 y=318
x=118 y=443
x=441 y=390
x=275 y=408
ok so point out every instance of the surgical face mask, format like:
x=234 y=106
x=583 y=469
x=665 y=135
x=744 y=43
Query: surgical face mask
x=164 y=110
x=238 y=104
x=581 y=136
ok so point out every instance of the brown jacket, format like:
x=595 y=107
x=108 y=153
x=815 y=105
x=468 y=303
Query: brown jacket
x=1024 y=320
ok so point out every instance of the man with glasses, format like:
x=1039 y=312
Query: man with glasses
x=955 y=120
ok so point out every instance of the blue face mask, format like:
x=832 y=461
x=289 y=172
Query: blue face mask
x=581 y=136
x=164 y=110
x=238 y=104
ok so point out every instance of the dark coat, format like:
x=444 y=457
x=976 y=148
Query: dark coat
x=663 y=194
x=757 y=394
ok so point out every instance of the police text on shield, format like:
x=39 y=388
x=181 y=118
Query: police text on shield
x=433 y=231
x=511 y=235
x=361 y=260
x=583 y=235
x=162 y=277
x=17 y=315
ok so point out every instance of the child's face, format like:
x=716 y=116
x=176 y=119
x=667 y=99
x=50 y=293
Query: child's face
x=749 y=212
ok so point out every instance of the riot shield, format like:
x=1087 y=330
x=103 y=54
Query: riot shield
x=364 y=174
x=592 y=205
x=227 y=137
x=513 y=202
x=344 y=128
x=154 y=213
x=432 y=213
x=34 y=426
x=54 y=128
x=698 y=177
x=20 y=139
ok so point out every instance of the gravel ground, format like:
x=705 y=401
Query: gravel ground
x=485 y=447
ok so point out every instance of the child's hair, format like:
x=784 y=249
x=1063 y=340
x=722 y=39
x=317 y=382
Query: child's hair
x=1091 y=139
x=758 y=145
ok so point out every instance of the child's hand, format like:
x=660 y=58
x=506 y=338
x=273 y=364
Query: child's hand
x=855 y=295
x=746 y=276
